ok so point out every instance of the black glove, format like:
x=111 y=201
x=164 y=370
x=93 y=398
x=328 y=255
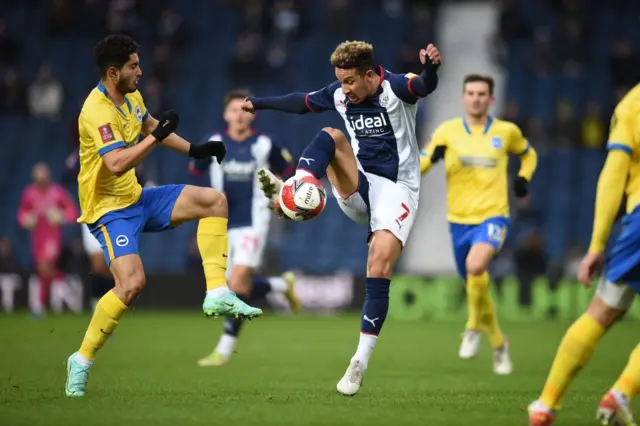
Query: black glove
x=208 y=149
x=167 y=124
x=438 y=153
x=521 y=187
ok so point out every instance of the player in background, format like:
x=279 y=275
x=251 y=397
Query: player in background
x=376 y=177
x=476 y=149
x=249 y=216
x=44 y=207
x=618 y=286
x=101 y=278
x=117 y=209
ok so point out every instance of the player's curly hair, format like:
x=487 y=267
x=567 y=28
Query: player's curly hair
x=114 y=51
x=480 y=78
x=353 y=54
x=236 y=94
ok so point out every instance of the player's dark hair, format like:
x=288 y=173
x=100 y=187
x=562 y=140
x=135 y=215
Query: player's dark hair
x=236 y=94
x=475 y=78
x=353 y=54
x=114 y=51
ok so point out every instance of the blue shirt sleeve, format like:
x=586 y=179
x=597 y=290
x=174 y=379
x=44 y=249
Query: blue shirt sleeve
x=323 y=99
x=401 y=86
x=411 y=87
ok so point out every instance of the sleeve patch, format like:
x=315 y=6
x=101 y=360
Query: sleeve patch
x=106 y=133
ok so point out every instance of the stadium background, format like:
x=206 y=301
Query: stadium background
x=560 y=66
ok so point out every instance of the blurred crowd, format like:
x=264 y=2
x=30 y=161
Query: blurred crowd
x=148 y=20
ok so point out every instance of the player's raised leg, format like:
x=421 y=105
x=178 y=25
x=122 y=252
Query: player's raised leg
x=614 y=407
x=608 y=305
x=210 y=207
x=329 y=153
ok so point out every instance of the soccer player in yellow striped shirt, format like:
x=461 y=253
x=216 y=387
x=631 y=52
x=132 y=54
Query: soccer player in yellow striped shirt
x=475 y=149
x=617 y=288
x=117 y=209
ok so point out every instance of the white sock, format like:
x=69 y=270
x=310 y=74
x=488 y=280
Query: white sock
x=365 y=348
x=80 y=359
x=302 y=173
x=226 y=345
x=218 y=292
x=278 y=284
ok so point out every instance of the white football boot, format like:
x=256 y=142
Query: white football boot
x=502 y=365
x=352 y=379
x=470 y=344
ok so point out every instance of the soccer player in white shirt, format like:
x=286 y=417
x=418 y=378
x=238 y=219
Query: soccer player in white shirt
x=375 y=177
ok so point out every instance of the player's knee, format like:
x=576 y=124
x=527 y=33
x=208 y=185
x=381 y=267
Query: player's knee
x=475 y=266
x=380 y=264
x=215 y=202
x=337 y=135
x=131 y=286
x=603 y=313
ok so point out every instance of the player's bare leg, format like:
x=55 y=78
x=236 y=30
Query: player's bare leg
x=129 y=281
x=576 y=348
x=210 y=207
x=481 y=311
x=384 y=251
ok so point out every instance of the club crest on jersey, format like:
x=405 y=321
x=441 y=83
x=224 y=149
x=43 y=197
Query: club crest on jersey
x=139 y=113
x=370 y=125
x=496 y=142
x=383 y=99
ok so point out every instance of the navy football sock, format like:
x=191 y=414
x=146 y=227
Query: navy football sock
x=232 y=325
x=376 y=305
x=261 y=287
x=317 y=156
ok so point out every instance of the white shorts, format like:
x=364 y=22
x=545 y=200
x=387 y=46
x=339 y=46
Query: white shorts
x=246 y=246
x=616 y=296
x=381 y=203
x=91 y=244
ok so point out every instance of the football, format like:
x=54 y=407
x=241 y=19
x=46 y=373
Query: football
x=302 y=198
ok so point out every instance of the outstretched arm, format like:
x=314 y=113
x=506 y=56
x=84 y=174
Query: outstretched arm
x=296 y=103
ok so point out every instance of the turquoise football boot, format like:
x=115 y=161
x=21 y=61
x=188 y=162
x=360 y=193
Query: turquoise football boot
x=229 y=305
x=77 y=376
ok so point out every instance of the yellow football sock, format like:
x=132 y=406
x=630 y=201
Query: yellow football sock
x=574 y=352
x=213 y=244
x=105 y=319
x=477 y=288
x=629 y=381
x=490 y=321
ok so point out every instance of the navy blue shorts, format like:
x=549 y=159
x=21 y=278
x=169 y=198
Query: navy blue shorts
x=119 y=231
x=492 y=231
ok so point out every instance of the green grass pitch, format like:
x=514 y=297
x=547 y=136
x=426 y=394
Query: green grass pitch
x=285 y=372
